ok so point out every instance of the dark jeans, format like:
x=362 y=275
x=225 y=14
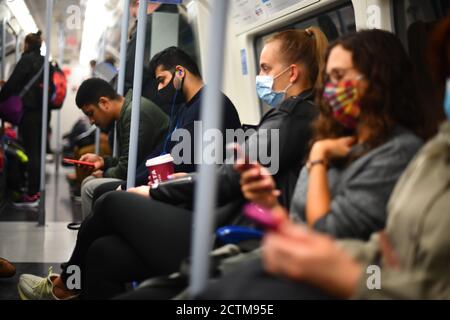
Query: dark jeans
x=30 y=133
x=129 y=238
x=103 y=189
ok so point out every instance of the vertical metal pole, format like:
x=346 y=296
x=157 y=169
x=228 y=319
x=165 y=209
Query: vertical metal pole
x=16 y=59
x=19 y=39
x=137 y=91
x=97 y=141
x=41 y=218
x=3 y=65
x=3 y=70
x=58 y=149
x=123 y=60
x=61 y=41
x=205 y=196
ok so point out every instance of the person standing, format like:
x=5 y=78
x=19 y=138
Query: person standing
x=30 y=126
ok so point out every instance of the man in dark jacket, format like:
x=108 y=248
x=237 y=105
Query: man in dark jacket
x=180 y=84
x=293 y=119
x=30 y=126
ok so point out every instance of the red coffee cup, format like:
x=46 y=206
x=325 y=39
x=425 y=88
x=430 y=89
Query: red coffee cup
x=159 y=168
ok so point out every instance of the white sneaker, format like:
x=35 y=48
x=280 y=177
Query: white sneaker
x=32 y=287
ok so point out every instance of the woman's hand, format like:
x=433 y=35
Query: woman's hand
x=318 y=199
x=331 y=148
x=142 y=190
x=299 y=254
x=257 y=185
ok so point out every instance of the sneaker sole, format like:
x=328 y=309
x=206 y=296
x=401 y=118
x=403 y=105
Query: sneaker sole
x=26 y=205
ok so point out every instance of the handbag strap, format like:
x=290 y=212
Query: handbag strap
x=31 y=82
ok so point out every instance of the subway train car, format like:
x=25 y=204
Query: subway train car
x=308 y=118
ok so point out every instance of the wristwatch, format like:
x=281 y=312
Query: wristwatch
x=311 y=164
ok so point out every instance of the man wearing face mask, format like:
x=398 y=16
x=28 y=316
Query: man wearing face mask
x=180 y=86
x=290 y=69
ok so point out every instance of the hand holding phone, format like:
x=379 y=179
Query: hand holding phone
x=261 y=216
x=78 y=162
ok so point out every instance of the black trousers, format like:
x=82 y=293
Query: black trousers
x=251 y=282
x=129 y=238
x=30 y=133
x=248 y=282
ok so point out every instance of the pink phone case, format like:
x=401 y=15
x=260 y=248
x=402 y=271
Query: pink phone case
x=261 y=216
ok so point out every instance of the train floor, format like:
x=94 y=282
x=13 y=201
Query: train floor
x=33 y=249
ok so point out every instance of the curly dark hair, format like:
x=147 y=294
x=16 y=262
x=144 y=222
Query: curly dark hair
x=439 y=56
x=390 y=98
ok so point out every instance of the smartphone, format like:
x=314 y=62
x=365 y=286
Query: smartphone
x=261 y=216
x=83 y=163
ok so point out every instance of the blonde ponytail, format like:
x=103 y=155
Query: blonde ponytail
x=307 y=47
x=321 y=45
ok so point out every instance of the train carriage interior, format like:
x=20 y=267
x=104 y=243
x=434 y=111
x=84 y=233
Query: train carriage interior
x=86 y=48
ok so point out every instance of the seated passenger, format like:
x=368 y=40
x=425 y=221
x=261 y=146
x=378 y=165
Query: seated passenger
x=180 y=86
x=364 y=138
x=98 y=100
x=408 y=260
x=290 y=70
x=155 y=236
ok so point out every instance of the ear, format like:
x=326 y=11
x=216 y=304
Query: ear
x=295 y=73
x=180 y=73
x=103 y=103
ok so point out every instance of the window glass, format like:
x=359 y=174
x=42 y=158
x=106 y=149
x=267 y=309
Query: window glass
x=411 y=14
x=414 y=22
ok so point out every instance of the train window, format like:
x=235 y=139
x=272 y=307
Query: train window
x=417 y=15
x=334 y=23
x=414 y=21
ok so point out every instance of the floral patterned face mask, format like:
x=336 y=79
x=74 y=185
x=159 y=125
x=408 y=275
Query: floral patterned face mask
x=344 y=100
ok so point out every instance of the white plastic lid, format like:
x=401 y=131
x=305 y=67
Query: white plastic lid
x=159 y=160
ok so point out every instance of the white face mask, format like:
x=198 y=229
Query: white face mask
x=264 y=88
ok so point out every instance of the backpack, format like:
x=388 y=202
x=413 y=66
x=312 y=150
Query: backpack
x=58 y=87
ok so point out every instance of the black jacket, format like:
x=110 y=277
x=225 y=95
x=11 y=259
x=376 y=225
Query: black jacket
x=185 y=118
x=294 y=120
x=29 y=64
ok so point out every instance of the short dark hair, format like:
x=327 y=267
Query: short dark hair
x=92 y=90
x=34 y=41
x=170 y=58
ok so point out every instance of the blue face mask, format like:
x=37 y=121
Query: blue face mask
x=264 y=88
x=447 y=100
